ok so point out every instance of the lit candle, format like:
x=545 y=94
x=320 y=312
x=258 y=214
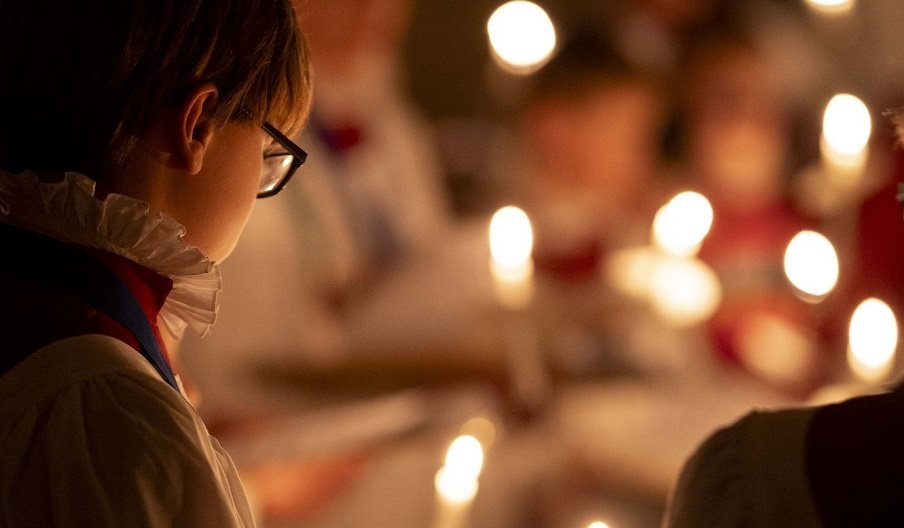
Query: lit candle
x=522 y=37
x=457 y=482
x=684 y=291
x=511 y=264
x=846 y=129
x=680 y=226
x=831 y=7
x=811 y=265
x=873 y=338
x=872 y=342
x=681 y=289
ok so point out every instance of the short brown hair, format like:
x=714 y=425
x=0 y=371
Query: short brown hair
x=80 y=79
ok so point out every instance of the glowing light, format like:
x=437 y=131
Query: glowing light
x=511 y=237
x=685 y=292
x=456 y=481
x=522 y=36
x=873 y=340
x=832 y=6
x=846 y=125
x=681 y=225
x=811 y=264
x=629 y=270
x=511 y=244
x=598 y=524
x=483 y=429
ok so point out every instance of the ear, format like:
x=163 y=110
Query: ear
x=196 y=126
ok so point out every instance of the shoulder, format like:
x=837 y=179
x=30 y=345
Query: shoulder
x=100 y=438
x=78 y=364
x=742 y=474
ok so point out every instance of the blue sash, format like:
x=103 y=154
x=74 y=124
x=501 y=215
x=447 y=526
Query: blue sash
x=64 y=267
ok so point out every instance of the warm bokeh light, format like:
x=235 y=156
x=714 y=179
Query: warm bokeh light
x=522 y=36
x=456 y=481
x=483 y=429
x=846 y=125
x=511 y=237
x=873 y=340
x=598 y=524
x=831 y=6
x=511 y=265
x=685 y=292
x=811 y=264
x=629 y=270
x=681 y=225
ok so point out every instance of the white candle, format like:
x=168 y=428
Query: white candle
x=873 y=340
x=457 y=482
x=811 y=265
x=844 y=145
x=511 y=265
x=522 y=37
x=680 y=226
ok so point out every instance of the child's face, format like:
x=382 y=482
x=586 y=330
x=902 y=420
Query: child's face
x=214 y=204
x=737 y=133
x=605 y=142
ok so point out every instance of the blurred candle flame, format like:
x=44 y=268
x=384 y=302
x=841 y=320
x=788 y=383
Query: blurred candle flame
x=522 y=36
x=511 y=237
x=684 y=291
x=456 y=481
x=680 y=226
x=873 y=340
x=811 y=264
x=511 y=245
x=832 y=6
x=846 y=129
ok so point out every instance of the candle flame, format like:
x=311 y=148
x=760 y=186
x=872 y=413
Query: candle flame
x=832 y=6
x=846 y=125
x=873 y=340
x=680 y=226
x=685 y=292
x=522 y=36
x=511 y=237
x=456 y=481
x=811 y=264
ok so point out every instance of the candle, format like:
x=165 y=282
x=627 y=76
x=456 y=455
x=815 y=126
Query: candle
x=811 y=265
x=522 y=37
x=846 y=129
x=680 y=226
x=832 y=7
x=680 y=288
x=872 y=341
x=684 y=291
x=456 y=482
x=511 y=244
x=873 y=338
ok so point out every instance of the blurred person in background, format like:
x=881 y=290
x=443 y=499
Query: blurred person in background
x=591 y=127
x=737 y=137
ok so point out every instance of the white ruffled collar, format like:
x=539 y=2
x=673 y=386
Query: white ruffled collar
x=68 y=211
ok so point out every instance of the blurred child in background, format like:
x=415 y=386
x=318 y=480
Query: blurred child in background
x=737 y=138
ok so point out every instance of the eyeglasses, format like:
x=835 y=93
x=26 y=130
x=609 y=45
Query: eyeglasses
x=279 y=166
